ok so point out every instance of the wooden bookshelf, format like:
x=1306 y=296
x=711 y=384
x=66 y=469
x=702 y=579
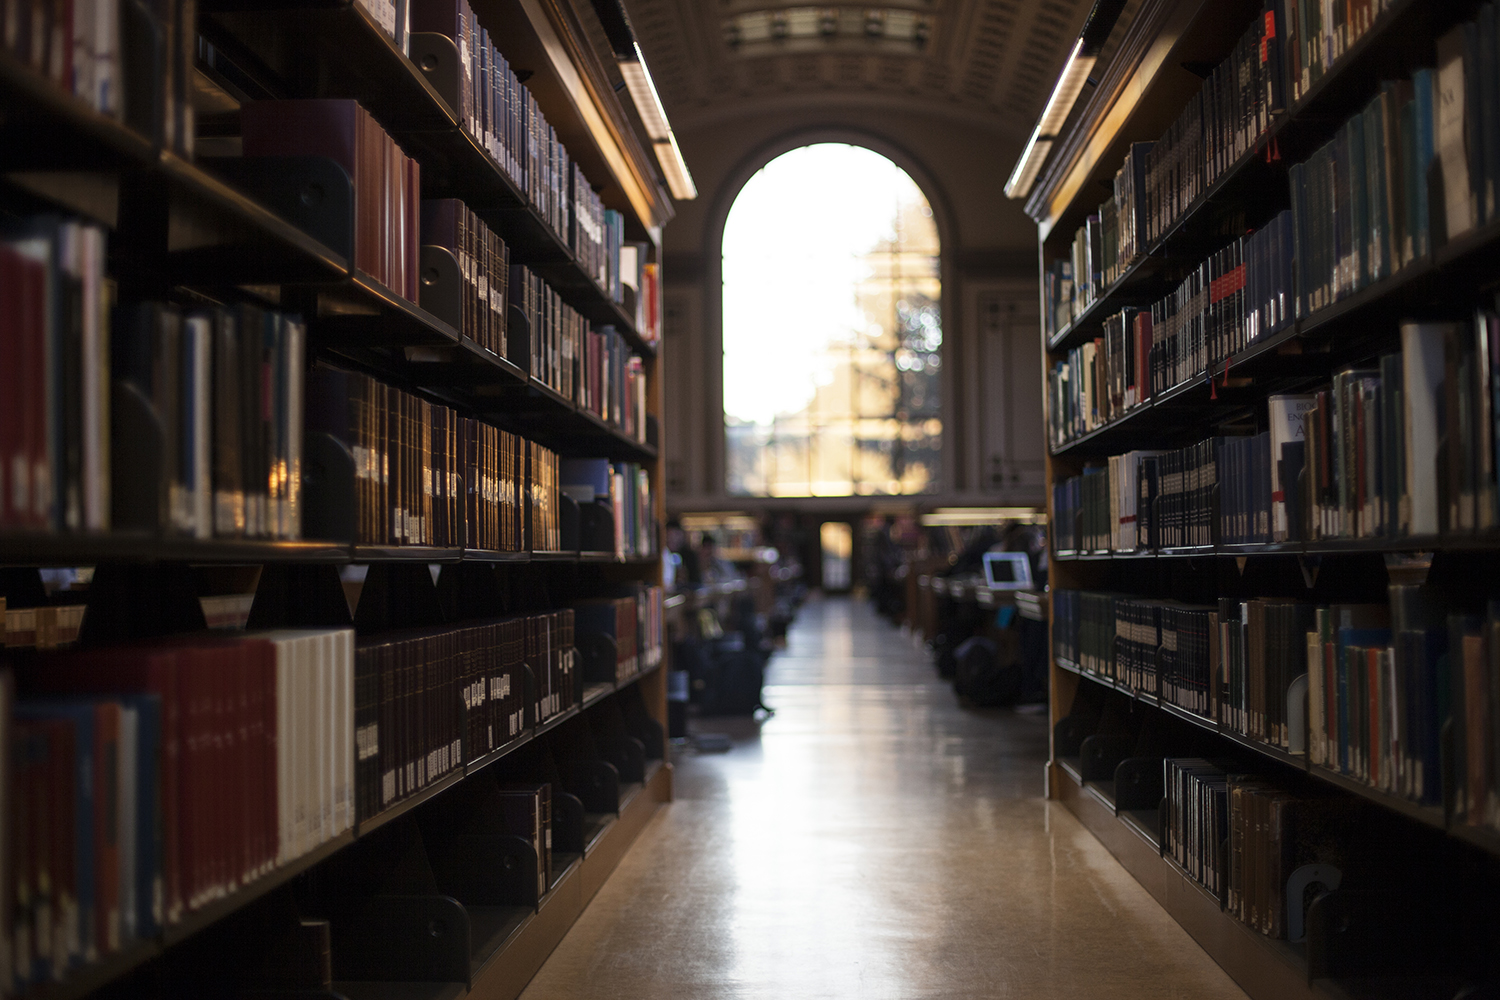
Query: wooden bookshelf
x=1165 y=54
x=208 y=230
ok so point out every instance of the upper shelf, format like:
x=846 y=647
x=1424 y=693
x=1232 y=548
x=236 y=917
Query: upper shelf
x=358 y=60
x=1162 y=82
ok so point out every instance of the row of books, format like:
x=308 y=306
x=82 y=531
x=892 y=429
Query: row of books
x=428 y=701
x=1403 y=448
x=1237 y=297
x=625 y=487
x=1160 y=648
x=1242 y=836
x=484 y=264
x=144 y=782
x=423 y=475
x=54 y=386
x=387 y=183
x=612 y=382
x=132 y=63
x=1233 y=663
x=1220 y=124
x=504 y=117
x=222 y=387
x=1382 y=681
x=1374 y=173
x=148 y=781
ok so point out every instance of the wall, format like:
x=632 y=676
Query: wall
x=993 y=418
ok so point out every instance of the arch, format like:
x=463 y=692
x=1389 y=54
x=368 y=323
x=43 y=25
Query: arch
x=869 y=424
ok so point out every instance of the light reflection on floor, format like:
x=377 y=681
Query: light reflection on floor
x=871 y=839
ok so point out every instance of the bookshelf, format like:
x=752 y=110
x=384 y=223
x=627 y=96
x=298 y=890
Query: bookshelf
x=1141 y=626
x=532 y=690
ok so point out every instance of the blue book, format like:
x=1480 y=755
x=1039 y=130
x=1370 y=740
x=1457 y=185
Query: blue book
x=1424 y=147
x=80 y=714
x=149 y=888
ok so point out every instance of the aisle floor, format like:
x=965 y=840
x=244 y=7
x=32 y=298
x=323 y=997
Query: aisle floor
x=872 y=839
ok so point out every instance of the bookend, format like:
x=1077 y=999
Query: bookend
x=390 y=921
x=441 y=285
x=1138 y=784
x=640 y=724
x=616 y=744
x=518 y=338
x=1325 y=877
x=299 y=595
x=137 y=498
x=599 y=656
x=312 y=193
x=596 y=527
x=569 y=523
x=535 y=764
x=474 y=858
x=1372 y=932
x=1068 y=736
x=139 y=602
x=328 y=502
x=398 y=595
x=1100 y=755
x=437 y=57
x=268 y=950
x=583 y=769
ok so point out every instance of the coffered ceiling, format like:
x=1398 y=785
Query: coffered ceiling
x=990 y=63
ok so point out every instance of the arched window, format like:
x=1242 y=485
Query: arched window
x=832 y=329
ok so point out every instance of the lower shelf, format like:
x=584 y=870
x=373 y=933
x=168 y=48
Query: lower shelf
x=524 y=945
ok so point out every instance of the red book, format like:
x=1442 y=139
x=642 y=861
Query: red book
x=130 y=670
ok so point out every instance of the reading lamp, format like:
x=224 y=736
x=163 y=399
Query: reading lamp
x=1075 y=74
x=643 y=95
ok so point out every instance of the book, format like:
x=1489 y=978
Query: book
x=483 y=263
x=387 y=183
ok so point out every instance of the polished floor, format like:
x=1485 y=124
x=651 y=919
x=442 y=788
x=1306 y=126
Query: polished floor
x=871 y=840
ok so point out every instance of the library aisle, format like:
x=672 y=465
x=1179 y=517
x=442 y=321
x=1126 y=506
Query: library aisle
x=873 y=840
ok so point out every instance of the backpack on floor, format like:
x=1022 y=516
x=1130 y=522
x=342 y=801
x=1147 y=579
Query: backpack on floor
x=729 y=680
x=984 y=674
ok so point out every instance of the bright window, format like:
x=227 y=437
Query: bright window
x=832 y=329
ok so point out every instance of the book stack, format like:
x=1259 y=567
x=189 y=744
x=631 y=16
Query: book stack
x=1221 y=123
x=553 y=662
x=650 y=606
x=387 y=183
x=483 y=261
x=1103 y=379
x=526 y=812
x=226 y=386
x=394 y=18
x=543 y=489
x=423 y=475
x=1057 y=297
x=1083 y=630
x=148 y=781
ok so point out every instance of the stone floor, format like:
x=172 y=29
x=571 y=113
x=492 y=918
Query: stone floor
x=872 y=839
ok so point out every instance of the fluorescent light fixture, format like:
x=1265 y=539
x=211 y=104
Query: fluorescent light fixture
x=643 y=93
x=1070 y=84
x=679 y=180
x=1074 y=75
x=960 y=517
x=654 y=119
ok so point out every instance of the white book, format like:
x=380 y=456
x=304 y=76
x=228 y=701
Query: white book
x=96 y=383
x=1452 y=147
x=284 y=748
x=1422 y=387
